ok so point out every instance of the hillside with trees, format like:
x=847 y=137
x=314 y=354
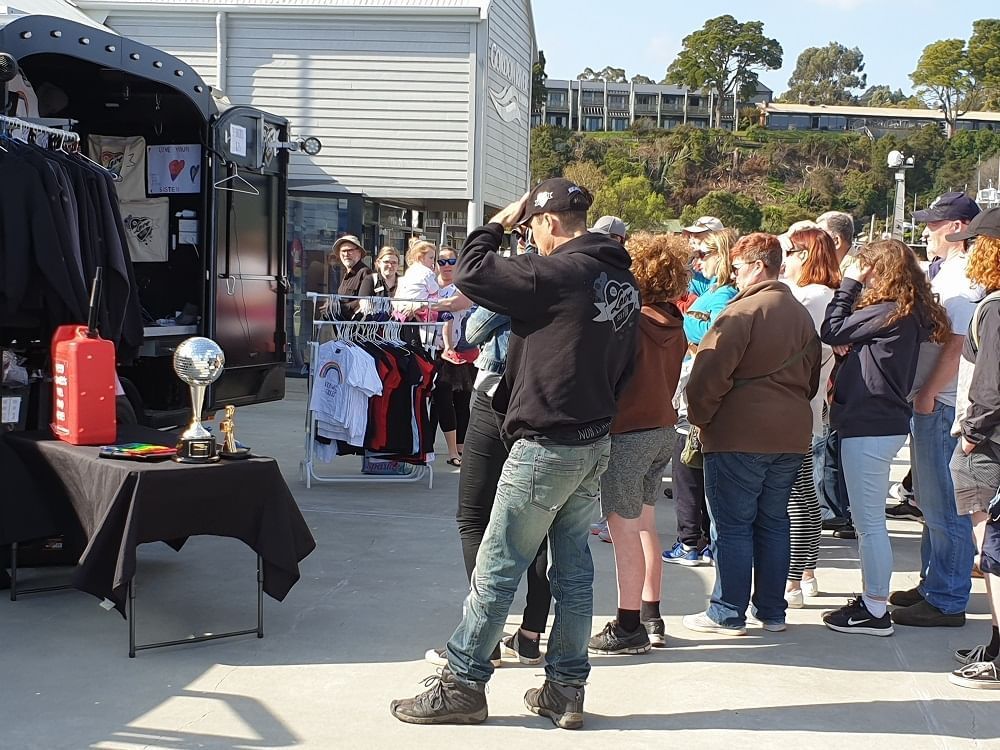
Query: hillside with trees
x=756 y=179
x=759 y=179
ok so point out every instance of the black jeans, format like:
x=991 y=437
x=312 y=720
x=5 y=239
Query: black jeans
x=693 y=522
x=482 y=462
x=833 y=490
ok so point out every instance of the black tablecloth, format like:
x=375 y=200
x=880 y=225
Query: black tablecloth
x=24 y=511
x=122 y=504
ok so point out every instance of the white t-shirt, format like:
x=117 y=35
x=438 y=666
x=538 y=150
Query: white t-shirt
x=344 y=380
x=815 y=298
x=959 y=296
x=419 y=282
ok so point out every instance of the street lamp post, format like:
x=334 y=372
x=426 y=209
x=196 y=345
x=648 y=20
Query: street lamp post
x=900 y=163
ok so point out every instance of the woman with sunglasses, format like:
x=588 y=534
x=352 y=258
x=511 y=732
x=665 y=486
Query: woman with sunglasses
x=456 y=373
x=812 y=272
x=688 y=483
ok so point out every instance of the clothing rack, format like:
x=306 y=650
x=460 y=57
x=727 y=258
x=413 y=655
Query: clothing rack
x=359 y=330
x=65 y=136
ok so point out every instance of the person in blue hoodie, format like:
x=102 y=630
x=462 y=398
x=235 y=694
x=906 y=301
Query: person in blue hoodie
x=877 y=320
x=713 y=274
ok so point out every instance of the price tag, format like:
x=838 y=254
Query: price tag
x=237 y=140
x=11 y=409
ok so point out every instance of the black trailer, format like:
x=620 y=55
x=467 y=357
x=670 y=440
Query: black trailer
x=232 y=279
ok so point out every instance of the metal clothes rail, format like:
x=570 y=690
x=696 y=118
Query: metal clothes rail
x=375 y=331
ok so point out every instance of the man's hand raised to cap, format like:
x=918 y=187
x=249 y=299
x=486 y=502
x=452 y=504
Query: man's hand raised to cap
x=507 y=216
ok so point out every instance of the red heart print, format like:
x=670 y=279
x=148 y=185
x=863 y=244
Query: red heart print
x=176 y=166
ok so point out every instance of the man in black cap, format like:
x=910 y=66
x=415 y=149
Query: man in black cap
x=947 y=549
x=574 y=309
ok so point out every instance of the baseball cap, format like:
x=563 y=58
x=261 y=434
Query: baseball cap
x=956 y=206
x=986 y=224
x=609 y=225
x=554 y=196
x=705 y=224
x=347 y=238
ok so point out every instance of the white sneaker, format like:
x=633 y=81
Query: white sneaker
x=770 y=627
x=795 y=599
x=702 y=623
x=810 y=586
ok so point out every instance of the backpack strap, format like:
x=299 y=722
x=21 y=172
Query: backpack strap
x=974 y=325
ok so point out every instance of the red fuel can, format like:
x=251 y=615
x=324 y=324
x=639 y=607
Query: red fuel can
x=83 y=381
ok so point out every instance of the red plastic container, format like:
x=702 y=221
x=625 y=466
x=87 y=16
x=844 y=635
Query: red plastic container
x=83 y=382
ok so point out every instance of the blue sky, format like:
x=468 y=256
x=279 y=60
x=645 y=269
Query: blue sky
x=644 y=36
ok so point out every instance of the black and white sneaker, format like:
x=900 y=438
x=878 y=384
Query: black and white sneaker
x=855 y=618
x=439 y=657
x=904 y=511
x=974 y=654
x=656 y=631
x=525 y=650
x=614 y=640
x=982 y=675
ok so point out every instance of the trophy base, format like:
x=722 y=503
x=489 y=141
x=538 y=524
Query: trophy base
x=238 y=454
x=197 y=451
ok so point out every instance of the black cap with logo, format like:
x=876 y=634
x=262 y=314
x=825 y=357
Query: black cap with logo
x=987 y=224
x=554 y=196
x=955 y=206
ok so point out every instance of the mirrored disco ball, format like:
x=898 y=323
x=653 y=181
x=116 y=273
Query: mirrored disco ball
x=199 y=361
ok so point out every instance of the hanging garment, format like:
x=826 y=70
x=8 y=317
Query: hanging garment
x=125 y=157
x=147 y=228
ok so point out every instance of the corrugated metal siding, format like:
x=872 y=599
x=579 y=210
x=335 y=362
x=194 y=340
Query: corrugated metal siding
x=187 y=35
x=505 y=144
x=389 y=100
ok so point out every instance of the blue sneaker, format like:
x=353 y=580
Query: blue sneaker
x=707 y=558
x=682 y=554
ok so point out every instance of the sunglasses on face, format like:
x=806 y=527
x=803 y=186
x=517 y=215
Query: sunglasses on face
x=794 y=251
x=447 y=261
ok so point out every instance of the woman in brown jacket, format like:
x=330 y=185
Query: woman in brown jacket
x=642 y=442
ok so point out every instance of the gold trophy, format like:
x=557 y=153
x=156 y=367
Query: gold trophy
x=228 y=426
x=198 y=361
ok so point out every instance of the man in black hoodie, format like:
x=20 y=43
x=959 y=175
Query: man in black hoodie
x=574 y=310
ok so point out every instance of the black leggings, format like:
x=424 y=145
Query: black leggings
x=482 y=462
x=693 y=523
x=451 y=410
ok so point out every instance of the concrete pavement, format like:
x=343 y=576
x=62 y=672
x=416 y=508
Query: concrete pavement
x=386 y=582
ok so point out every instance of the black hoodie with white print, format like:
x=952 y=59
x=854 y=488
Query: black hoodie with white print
x=574 y=317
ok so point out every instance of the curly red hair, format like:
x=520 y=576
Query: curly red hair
x=660 y=265
x=984 y=263
x=897 y=277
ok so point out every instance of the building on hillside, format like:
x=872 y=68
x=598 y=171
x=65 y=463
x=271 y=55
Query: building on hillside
x=423 y=106
x=592 y=106
x=875 y=121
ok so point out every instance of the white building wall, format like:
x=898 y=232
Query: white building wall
x=509 y=57
x=389 y=99
x=188 y=35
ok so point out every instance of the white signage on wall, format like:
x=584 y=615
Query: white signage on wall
x=511 y=103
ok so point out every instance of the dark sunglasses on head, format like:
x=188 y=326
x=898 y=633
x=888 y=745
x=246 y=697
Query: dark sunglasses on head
x=447 y=261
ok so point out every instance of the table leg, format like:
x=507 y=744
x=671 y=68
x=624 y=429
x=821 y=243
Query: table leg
x=13 y=571
x=131 y=618
x=260 y=597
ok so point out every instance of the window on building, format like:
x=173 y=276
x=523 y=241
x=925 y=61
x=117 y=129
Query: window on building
x=670 y=101
x=593 y=97
x=645 y=101
x=617 y=101
x=593 y=124
x=619 y=123
x=557 y=99
x=558 y=121
x=694 y=101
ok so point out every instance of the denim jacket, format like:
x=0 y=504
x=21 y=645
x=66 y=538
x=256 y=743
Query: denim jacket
x=489 y=331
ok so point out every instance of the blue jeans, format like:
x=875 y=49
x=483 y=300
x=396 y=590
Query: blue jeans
x=947 y=549
x=866 y=462
x=748 y=502
x=833 y=499
x=544 y=489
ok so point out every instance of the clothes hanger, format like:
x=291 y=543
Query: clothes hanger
x=67 y=147
x=236 y=179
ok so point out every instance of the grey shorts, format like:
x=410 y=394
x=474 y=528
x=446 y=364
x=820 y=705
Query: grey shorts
x=976 y=477
x=635 y=472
